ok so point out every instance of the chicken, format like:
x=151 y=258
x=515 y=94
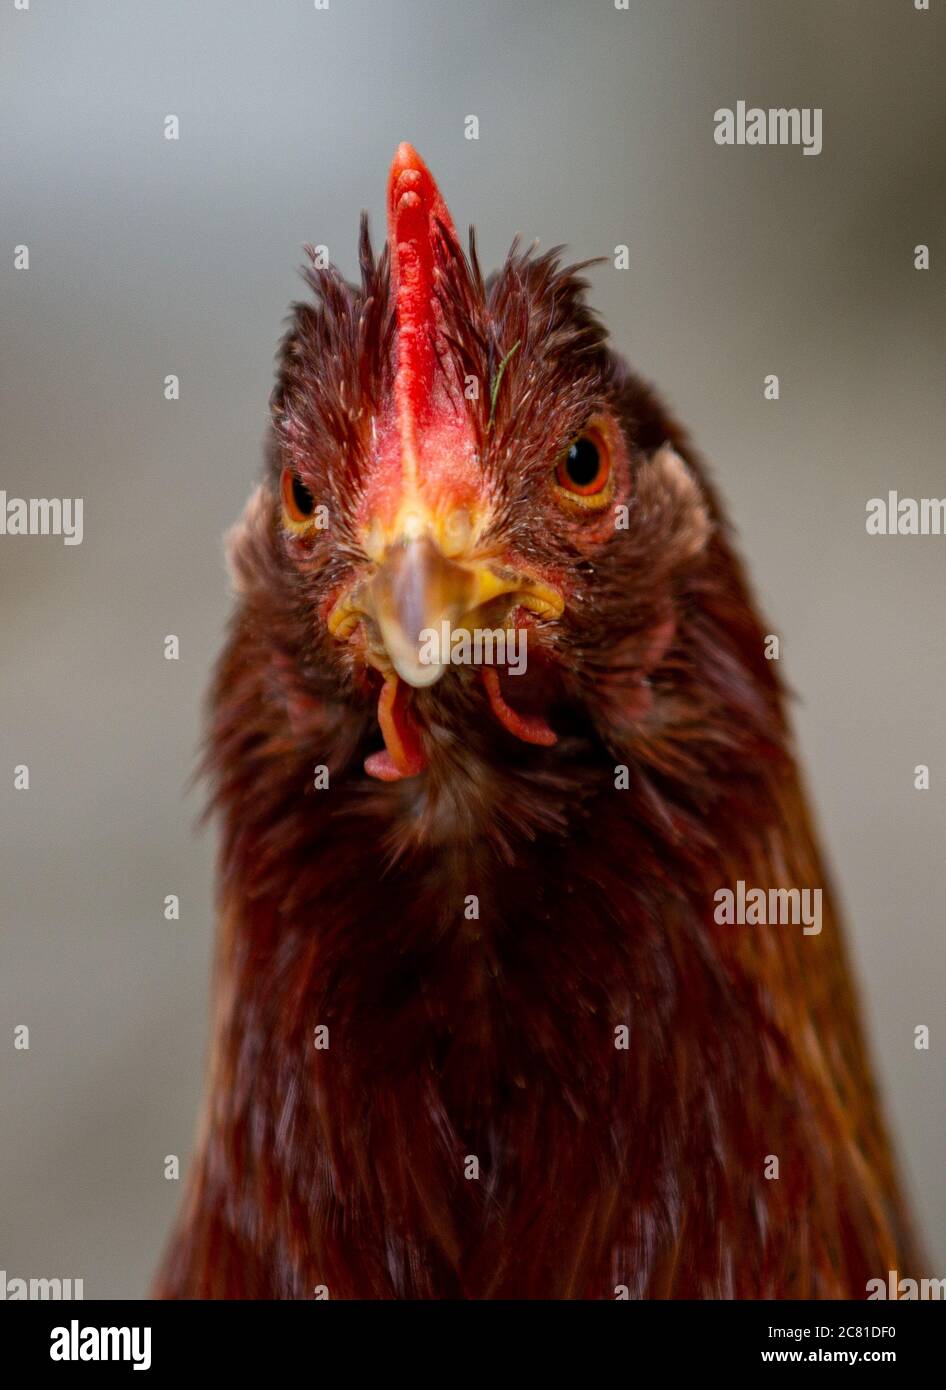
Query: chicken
x=481 y=1030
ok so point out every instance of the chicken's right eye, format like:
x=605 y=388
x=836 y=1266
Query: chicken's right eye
x=298 y=502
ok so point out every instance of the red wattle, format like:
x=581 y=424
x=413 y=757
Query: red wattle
x=403 y=755
x=531 y=728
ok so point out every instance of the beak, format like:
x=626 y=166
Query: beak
x=416 y=589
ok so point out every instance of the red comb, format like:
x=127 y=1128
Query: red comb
x=415 y=207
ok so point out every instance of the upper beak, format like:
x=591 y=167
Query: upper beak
x=415 y=589
x=418 y=588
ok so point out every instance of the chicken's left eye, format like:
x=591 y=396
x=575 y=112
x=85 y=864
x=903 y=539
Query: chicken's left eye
x=584 y=469
x=296 y=497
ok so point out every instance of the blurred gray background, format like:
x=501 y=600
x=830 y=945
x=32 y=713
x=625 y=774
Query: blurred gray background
x=151 y=257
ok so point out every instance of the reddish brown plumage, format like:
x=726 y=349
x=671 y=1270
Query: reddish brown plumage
x=495 y=1037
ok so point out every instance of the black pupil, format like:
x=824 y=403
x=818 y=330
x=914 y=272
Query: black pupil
x=583 y=462
x=302 y=497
